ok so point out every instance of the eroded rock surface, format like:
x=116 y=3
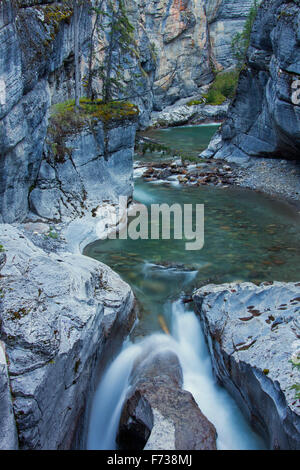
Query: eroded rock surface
x=180 y=114
x=58 y=315
x=157 y=413
x=264 y=118
x=87 y=172
x=252 y=333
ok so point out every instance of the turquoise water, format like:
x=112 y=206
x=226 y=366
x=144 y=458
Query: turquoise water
x=248 y=237
x=188 y=140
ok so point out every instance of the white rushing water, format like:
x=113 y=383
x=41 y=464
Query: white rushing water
x=188 y=343
x=108 y=400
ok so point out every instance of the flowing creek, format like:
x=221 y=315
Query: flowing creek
x=248 y=237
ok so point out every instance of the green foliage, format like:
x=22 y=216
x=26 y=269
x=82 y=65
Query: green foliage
x=55 y=14
x=52 y=234
x=154 y=51
x=65 y=121
x=2 y=249
x=64 y=112
x=196 y=102
x=223 y=88
x=117 y=35
x=241 y=41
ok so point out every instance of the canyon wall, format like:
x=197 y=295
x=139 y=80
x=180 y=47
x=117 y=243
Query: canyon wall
x=179 y=43
x=264 y=118
x=74 y=180
x=189 y=40
x=36 y=50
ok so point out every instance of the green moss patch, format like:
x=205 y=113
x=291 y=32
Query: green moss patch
x=196 y=102
x=65 y=121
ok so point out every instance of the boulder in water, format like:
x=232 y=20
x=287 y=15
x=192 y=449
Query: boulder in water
x=157 y=413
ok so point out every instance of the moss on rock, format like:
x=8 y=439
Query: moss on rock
x=65 y=121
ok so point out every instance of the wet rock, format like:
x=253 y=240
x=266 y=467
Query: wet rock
x=58 y=317
x=157 y=413
x=248 y=333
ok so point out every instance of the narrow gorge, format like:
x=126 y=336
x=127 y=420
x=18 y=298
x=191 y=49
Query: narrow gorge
x=122 y=331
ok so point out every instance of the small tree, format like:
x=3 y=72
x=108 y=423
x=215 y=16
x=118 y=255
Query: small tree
x=97 y=10
x=241 y=41
x=118 y=37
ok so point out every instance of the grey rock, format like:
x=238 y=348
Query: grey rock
x=34 y=56
x=157 y=413
x=176 y=115
x=263 y=120
x=252 y=332
x=225 y=18
x=59 y=313
x=76 y=183
x=8 y=431
x=214 y=145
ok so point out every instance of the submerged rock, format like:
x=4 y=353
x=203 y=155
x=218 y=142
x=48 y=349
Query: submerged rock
x=157 y=413
x=59 y=315
x=252 y=333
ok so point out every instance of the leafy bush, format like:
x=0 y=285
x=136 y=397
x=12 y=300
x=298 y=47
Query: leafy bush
x=223 y=88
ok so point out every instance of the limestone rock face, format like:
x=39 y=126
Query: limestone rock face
x=157 y=413
x=264 y=118
x=252 y=333
x=35 y=69
x=87 y=172
x=180 y=114
x=58 y=315
x=225 y=18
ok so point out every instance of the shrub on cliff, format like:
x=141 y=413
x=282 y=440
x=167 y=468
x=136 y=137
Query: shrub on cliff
x=223 y=88
x=241 y=41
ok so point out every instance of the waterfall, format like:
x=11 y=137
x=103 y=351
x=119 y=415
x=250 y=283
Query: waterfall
x=108 y=400
x=188 y=342
x=234 y=432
